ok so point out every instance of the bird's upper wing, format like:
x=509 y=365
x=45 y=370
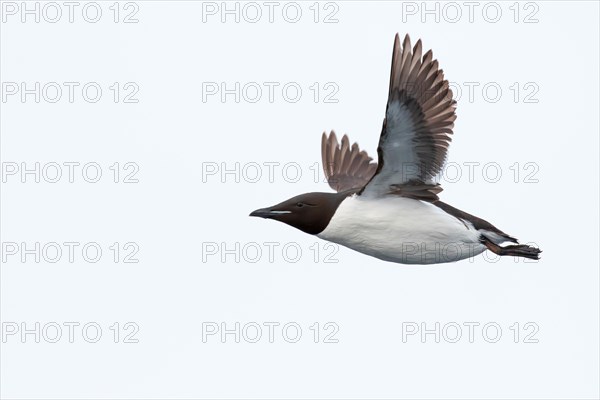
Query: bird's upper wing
x=419 y=118
x=345 y=167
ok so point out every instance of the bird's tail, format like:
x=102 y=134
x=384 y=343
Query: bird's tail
x=517 y=250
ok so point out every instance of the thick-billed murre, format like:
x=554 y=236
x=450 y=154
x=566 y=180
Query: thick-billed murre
x=390 y=209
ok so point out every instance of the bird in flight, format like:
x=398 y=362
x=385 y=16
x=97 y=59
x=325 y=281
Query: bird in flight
x=390 y=209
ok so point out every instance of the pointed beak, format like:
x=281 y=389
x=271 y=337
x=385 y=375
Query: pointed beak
x=261 y=212
x=267 y=213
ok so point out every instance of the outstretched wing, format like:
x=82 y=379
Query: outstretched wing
x=345 y=167
x=416 y=130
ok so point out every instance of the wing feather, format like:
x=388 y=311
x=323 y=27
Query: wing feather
x=419 y=120
x=346 y=167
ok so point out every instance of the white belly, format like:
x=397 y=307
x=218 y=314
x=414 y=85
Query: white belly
x=402 y=230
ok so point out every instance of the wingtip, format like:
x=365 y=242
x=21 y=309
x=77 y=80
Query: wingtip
x=345 y=140
x=333 y=136
x=418 y=49
x=406 y=44
x=428 y=56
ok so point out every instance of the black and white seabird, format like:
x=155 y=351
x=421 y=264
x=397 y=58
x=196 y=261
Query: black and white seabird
x=390 y=209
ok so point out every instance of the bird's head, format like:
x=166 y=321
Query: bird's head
x=309 y=212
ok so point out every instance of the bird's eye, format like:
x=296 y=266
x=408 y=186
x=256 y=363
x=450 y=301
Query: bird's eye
x=299 y=204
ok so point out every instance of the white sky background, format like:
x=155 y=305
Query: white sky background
x=545 y=118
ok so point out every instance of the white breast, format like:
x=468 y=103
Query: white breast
x=402 y=230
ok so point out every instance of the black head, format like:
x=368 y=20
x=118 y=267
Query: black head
x=309 y=212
